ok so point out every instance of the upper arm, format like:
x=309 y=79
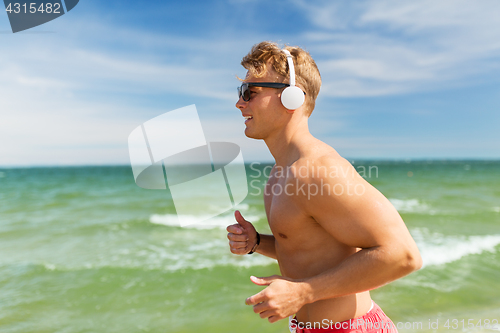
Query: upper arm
x=353 y=211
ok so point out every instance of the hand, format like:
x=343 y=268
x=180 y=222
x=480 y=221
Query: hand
x=242 y=236
x=282 y=298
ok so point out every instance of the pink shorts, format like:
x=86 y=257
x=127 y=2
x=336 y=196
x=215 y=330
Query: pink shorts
x=374 y=321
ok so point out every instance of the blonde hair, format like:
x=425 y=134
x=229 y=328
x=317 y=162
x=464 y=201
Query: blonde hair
x=307 y=75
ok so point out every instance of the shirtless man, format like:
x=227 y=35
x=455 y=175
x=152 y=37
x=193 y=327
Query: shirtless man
x=335 y=236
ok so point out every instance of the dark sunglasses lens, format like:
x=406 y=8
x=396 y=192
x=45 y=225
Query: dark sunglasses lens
x=244 y=92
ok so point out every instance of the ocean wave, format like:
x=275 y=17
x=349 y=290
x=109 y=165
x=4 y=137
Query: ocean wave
x=437 y=249
x=163 y=261
x=188 y=249
x=195 y=253
x=221 y=221
x=411 y=206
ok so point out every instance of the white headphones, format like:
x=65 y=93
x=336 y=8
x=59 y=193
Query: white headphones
x=292 y=97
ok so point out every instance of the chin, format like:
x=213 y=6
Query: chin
x=252 y=135
x=248 y=134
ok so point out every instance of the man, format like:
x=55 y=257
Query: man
x=335 y=237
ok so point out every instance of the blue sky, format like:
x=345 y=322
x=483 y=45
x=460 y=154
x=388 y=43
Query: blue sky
x=401 y=79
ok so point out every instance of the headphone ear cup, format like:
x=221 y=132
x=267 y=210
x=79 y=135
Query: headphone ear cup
x=292 y=98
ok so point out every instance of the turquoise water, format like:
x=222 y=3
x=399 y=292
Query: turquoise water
x=83 y=249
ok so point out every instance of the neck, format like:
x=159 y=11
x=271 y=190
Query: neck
x=287 y=145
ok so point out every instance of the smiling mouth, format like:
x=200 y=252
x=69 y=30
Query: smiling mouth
x=247 y=118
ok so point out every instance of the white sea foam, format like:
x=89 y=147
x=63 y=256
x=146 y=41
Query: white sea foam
x=49 y=266
x=187 y=250
x=437 y=249
x=242 y=206
x=411 y=206
x=193 y=247
x=197 y=247
x=200 y=255
x=220 y=222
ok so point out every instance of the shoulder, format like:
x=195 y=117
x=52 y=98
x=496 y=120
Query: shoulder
x=330 y=182
x=324 y=167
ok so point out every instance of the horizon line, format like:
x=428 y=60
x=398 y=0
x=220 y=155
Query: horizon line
x=352 y=160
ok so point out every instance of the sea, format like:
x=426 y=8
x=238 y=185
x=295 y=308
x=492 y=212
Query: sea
x=84 y=249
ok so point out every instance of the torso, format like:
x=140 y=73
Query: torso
x=303 y=247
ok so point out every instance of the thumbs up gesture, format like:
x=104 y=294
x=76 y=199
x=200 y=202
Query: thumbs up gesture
x=242 y=235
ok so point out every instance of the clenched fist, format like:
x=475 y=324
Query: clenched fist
x=242 y=235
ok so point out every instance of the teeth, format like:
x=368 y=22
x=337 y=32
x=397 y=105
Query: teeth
x=248 y=117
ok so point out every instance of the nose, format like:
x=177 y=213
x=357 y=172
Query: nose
x=241 y=104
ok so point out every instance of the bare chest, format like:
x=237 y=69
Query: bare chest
x=287 y=219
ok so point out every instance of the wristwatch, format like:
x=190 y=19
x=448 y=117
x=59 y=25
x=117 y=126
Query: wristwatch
x=256 y=244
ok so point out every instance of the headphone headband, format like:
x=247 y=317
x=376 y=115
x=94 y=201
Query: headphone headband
x=292 y=97
x=290 y=66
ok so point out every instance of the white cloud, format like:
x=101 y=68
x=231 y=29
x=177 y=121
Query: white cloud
x=67 y=102
x=413 y=147
x=386 y=47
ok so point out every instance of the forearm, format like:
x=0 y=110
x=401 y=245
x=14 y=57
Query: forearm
x=365 y=270
x=267 y=246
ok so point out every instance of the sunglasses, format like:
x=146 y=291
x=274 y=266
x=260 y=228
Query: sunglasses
x=244 y=91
